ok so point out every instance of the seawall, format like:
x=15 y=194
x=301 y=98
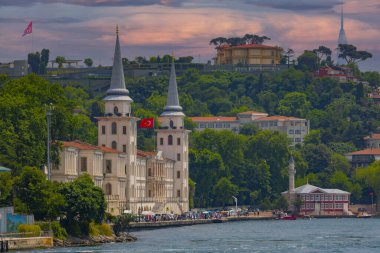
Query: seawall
x=28 y=243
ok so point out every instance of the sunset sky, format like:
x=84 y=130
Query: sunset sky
x=78 y=29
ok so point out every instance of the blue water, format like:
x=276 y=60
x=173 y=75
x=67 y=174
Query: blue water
x=317 y=235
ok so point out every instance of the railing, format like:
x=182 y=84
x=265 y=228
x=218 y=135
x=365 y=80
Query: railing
x=156 y=199
x=21 y=235
x=112 y=197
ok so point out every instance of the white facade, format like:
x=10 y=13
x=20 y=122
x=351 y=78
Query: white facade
x=295 y=128
x=131 y=179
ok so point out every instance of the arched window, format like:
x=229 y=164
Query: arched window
x=113 y=128
x=149 y=172
x=170 y=140
x=108 y=189
x=114 y=145
x=115 y=110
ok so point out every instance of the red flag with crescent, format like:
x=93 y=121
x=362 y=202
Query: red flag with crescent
x=28 y=29
x=147 y=123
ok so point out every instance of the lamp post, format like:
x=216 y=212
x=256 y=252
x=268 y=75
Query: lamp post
x=48 y=118
x=371 y=193
x=235 y=203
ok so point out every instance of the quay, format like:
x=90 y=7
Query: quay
x=16 y=243
x=134 y=226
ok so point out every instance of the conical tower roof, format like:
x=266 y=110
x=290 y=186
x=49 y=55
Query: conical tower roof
x=342 y=37
x=117 y=88
x=172 y=107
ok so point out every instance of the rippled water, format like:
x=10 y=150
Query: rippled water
x=317 y=235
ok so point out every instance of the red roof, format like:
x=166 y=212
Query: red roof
x=253 y=112
x=85 y=146
x=109 y=150
x=146 y=153
x=79 y=145
x=280 y=118
x=249 y=46
x=372 y=137
x=212 y=119
x=368 y=151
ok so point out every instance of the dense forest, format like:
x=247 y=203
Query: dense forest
x=251 y=165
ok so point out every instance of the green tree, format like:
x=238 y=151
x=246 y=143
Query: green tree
x=294 y=104
x=85 y=202
x=121 y=223
x=371 y=177
x=224 y=190
x=88 y=62
x=6 y=189
x=37 y=194
x=44 y=60
x=34 y=61
x=191 y=193
x=351 y=55
x=206 y=167
x=308 y=61
x=60 y=60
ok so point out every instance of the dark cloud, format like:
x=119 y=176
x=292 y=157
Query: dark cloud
x=296 y=5
x=93 y=3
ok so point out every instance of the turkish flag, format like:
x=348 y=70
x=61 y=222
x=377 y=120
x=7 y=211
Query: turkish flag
x=28 y=29
x=147 y=123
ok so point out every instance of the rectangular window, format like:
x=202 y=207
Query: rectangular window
x=108 y=166
x=307 y=197
x=103 y=129
x=178 y=141
x=83 y=164
x=312 y=197
x=297 y=131
x=124 y=148
x=178 y=193
x=210 y=125
x=202 y=125
x=317 y=197
x=124 y=129
x=178 y=157
x=161 y=141
x=178 y=174
x=291 y=131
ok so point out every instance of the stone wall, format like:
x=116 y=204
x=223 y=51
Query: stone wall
x=29 y=243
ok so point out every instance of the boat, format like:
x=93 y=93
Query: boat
x=288 y=217
x=363 y=215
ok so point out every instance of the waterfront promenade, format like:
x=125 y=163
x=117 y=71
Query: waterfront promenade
x=189 y=222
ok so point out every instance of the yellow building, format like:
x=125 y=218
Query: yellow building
x=253 y=54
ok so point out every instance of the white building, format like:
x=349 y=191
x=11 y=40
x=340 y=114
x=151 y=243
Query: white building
x=295 y=128
x=131 y=179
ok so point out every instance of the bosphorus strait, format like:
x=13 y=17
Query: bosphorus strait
x=316 y=235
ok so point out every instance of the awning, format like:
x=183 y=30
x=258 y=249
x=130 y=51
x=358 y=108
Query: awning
x=3 y=169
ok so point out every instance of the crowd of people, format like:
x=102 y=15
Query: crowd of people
x=196 y=215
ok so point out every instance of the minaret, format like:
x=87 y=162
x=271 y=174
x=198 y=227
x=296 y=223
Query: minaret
x=291 y=172
x=342 y=37
x=173 y=141
x=117 y=129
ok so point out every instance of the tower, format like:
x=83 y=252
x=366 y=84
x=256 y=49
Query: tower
x=291 y=172
x=342 y=37
x=173 y=142
x=117 y=129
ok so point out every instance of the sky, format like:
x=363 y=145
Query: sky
x=78 y=29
